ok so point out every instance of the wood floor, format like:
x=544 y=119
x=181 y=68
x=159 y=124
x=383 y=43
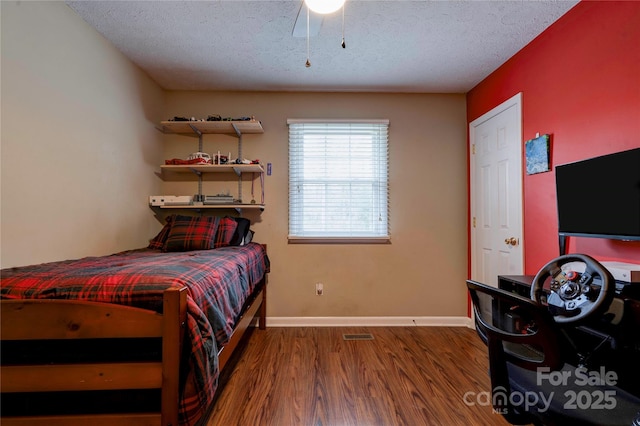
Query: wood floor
x=313 y=377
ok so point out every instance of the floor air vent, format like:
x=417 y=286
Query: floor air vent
x=361 y=336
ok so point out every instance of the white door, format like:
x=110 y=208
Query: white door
x=496 y=193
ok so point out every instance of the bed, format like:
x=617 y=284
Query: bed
x=137 y=337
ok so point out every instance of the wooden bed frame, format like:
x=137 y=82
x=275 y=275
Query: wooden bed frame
x=68 y=319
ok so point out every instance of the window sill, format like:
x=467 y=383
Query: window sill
x=339 y=240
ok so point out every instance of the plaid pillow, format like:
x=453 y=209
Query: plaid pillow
x=226 y=229
x=158 y=241
x=192 y=233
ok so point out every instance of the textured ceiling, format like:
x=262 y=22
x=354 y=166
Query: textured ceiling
x=391 y=46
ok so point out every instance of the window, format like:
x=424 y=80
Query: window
x=338 y=181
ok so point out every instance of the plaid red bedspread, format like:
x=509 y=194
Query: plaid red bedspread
x=219 y=282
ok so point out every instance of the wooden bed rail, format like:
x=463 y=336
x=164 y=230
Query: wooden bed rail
x=43 y=320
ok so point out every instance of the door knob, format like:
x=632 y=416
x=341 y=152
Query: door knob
x=513 y=241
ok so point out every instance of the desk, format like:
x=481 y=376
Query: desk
x=622 y=351
x=624 y=334
x=629 y=295
x=519 y=284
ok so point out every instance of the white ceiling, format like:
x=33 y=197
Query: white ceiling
x=391 y=46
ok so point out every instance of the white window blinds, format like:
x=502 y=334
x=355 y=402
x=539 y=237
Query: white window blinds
x=338 y=180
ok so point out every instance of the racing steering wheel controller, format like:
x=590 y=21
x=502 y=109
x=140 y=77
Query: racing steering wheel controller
x=573 y=297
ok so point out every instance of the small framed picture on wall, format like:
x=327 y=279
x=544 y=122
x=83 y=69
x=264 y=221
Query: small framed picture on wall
x=537 y=154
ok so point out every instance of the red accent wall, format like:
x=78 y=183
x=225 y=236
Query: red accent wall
x=580 y=82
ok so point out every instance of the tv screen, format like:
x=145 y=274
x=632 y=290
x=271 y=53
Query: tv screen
x=600 y=197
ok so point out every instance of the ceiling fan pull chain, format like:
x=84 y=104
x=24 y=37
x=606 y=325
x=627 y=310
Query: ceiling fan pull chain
x=344 y=45
x=308 y=63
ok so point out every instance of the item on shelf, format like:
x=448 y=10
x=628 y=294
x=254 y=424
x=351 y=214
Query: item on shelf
x=214 y=117
x=200 y=155
x=176 y=118
x=217 y=117
x=221 y=159
x=170 y=200
x=245 y=161
x=218 y=199
x=181 y=162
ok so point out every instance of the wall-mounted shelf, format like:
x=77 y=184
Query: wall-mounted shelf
x=198 y=128
x=234 y=206
x=238 y=169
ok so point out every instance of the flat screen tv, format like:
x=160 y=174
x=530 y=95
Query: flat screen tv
x=600 y=197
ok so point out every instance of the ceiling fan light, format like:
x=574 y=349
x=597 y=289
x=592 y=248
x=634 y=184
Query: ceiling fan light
x=324 y=6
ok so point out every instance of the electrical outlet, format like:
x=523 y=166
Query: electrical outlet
x=319 y=289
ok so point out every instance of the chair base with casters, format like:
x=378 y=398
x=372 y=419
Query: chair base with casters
x=534 y=370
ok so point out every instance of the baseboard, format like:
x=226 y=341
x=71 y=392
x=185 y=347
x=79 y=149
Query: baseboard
x=369 y=321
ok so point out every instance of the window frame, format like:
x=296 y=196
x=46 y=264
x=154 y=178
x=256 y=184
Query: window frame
x=378 y=239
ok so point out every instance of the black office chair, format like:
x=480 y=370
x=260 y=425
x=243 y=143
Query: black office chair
x=533 y=367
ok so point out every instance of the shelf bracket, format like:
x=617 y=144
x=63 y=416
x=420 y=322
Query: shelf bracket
x=199 y=133
x=239 y=135
x=235 y=128
x=240 y=157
